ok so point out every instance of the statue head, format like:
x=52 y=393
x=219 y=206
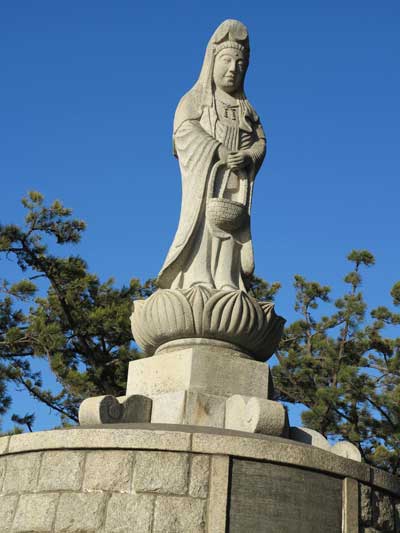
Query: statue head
x=224 y=66
x=225 y=62
x=230 y=48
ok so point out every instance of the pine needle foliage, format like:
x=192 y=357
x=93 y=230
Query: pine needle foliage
x=78 y=323
x=343 y=367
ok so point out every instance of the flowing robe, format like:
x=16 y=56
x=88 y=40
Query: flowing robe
x=199 y=254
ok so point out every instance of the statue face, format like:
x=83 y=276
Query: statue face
x=229 y=70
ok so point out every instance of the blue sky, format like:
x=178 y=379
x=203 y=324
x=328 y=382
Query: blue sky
x=87 y=99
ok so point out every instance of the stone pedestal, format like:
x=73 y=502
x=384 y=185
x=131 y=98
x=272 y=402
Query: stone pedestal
x=205 y=369
x=181 y=479
x=191 y=385
x=195 y=382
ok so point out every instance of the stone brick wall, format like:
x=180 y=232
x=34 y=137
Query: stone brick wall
x=113 y=491
x=379 y=511
x=180 y=479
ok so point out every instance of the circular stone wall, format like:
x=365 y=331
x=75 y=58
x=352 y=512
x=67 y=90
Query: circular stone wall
x=180 y=479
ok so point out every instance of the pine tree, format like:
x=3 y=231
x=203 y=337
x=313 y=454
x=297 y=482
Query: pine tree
x=343 y=369
x=81 y=325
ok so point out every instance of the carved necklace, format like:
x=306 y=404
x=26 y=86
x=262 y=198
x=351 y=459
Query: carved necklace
x=229 y=111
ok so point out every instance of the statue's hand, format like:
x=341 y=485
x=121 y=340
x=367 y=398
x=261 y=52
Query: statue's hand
x=237 y=160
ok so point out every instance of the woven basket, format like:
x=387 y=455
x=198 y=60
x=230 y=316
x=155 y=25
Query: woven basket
x=226 y=215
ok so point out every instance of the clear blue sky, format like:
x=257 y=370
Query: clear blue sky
x=87 y=98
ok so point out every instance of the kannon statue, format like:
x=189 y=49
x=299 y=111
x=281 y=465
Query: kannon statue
x=205 y=331
x=220 y=144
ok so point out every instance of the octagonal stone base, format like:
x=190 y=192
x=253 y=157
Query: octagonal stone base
x=141 y=478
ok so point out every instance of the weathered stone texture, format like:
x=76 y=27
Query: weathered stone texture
x=35 y=513
x=102 y=437
x=199 y=474
x=169 y=408
x=127 y=513
x=80 y=513
x=218 y=494
x=350 y=506
x=108 y=470
x=61 y=470
x=279 y=450
x=2 y=471
x=203 y=487
x=161 y=472
x=385 y=481
x=382 y=511
x=179 y=515
x=365 y=504
x=204 y=410
x=8 y=505
x=397 y=515
x=22 y=472
x=199 y=370
x=290 y=500
x=256 y=415
x=4 y=444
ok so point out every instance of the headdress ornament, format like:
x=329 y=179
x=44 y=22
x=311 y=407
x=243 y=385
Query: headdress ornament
x=231 y=44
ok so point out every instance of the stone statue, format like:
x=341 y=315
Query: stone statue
x=220 y=144
x=209 y=337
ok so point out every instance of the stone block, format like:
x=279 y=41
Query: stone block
x=22 y=472
x=204 y=410
x=199 y=474
x=108 y=470
x=279 y=450
x=8 y=504
x=137 y=409
x=382 y=511
x=281 y=499
x=218 y=494
x=105 y=437
x=169 y=408
x=179 y=515
x=385 y=481
x=201 y=370
x=3 y=462
x=127 y=513
x=351 y=506
x=347 y=449
x=78 y=513
x=61 y=470
x=161 y=472
x=111 y=410
x=397 y=515
x=309 y=436
x=255 y=415
x=190 y=408
x=365 y=504
x=35 y=513
x=4 y=444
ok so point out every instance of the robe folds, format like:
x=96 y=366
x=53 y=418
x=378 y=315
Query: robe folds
x=197 y=255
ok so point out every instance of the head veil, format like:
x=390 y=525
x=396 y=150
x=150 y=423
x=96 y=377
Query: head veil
x=201 y=95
